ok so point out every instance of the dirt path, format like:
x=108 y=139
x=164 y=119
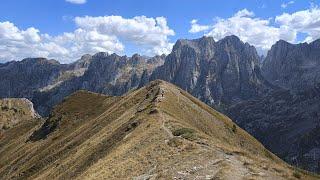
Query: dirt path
x=160 y=98
x=167 y=130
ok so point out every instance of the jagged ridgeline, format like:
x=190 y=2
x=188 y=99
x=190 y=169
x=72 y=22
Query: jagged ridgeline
x=158 y=131
x=271 y=97
x=219 y=73
x=287 y=120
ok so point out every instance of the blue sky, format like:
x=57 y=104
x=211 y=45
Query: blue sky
x=56 y=17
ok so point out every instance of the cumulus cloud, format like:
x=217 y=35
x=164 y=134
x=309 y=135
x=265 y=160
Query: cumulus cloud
x=305 y=21
x=195 y=27
x=151 y=34
x=263 y=33
x=77 y=1
x=248 y=28
x=285 y=5
x=93 y=34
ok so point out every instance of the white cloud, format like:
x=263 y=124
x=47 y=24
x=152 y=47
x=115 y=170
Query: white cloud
x=285 y=5
x=195 y=27
x=93 y=34
x=244 y=13
x=149 y=33
x=263 y=33
x=77 y=1
x=305 y=21
x=248 y=28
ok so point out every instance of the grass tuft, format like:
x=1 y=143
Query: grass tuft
x=296 y=175
x=186 y=133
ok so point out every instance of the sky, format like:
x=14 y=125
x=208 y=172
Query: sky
x=66 y=29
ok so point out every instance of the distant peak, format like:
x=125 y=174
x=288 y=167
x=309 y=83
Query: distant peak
x=205 y=38
x=40 y=60
x=232 y=38
x=136 y=55
x=281 y=41
x=86 y=56
x=101 y=55
x=316 y=42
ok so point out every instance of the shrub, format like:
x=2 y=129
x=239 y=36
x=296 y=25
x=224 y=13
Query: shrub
x=268 y=154
x=153 y=111
x=186 y=133
x=234 y=128
x=5 y=126
x=296 y=174
x=5 y=108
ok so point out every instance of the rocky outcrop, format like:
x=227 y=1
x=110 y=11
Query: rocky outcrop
x=219 y=73
x=293 y=66
x=15 y=110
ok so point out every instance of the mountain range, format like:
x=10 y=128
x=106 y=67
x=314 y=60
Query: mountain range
x=156 y=132
x=275 y=100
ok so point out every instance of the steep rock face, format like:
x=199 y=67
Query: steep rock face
x=287 y=120
x=115 y=75
x=107 y=74
x=23 y=78
x=287 y=123
x=216 y=72
x=293 y=66
x=219 y=73
x=15 y=110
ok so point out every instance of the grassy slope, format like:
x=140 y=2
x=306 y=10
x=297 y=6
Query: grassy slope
x=138 y=135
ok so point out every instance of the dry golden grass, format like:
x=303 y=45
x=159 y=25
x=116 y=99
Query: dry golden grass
x=140 y=135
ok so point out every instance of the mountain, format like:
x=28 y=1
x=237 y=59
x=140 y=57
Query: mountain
x=218 y=73
x=14 y=111
x=23 y=78
x=286 y=120
x=287 y=123
x=293 y=66
x=156 y=132
x=107 y=73
x=46 y=82
x=20 y=79
x=226 y=74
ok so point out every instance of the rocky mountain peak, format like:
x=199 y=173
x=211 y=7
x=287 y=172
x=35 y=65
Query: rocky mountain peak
x=136 y=58
x=293 y=66
x=40 y=61
x=232 y=39
x=316 y=43
x=83 y=62
x=100 y=55
x=136 y=55
x=202 y=42
x=205 y=40
x=215 y=72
